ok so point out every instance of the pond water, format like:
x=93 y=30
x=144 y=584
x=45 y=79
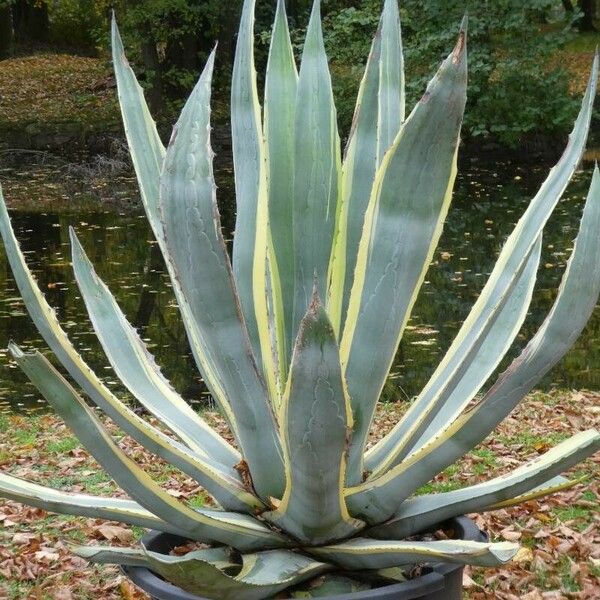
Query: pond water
x=488 y=201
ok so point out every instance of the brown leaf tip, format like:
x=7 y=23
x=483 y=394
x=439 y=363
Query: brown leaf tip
x=461 y=42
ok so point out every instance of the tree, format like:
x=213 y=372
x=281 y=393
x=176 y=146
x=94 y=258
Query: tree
x=586 y=22
x=6 y=28
x=588 y=12
x=30 y=21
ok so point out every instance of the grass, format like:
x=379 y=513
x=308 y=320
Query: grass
x=532 y=441
x=62 y=446
x=40 y=448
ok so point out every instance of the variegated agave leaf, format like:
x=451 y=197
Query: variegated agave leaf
x=316 y=420
x=378 y=498
x=407 y=207
x=388 y=452
x=204 y=571
x=192 y=229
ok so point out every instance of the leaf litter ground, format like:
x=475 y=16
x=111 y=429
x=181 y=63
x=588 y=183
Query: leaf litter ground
x=560 y=536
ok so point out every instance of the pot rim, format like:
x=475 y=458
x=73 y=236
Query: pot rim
x=432 y=581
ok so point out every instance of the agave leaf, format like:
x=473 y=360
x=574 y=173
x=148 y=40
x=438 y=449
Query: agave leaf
x=280 y=109
x=556 y=484
x=219 y=557
x=83 y=505
x=422 y=512
x=377 y=118
x=391 y=79
x=145 y=146
x=240 y=531
x=251 y=226
x=198 y=255
x=317 y=170
x=506 y=269
x=363 y=553
x=136 y=368
x=432 y=410
x=109 y=555
x=315 y=420
x=148 y=154
x=200 y=572
x=408 y=205
x=358 y=173
x=378 y=499
x=150 y=437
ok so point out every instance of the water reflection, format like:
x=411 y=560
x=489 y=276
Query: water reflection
x=487 y=203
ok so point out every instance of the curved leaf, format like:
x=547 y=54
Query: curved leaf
x=507 y=267
x=280 y=108
x=438 y=405
x=552 y=486
x=145 y=146
x=240 y=531
x=201 y=572
x=150 y=437
x=317 y=171
x=198 y=256
x=422 y=512
x=378 y=499
x=407 y=208
x=363 y=553
x=315 y=421
x=219 y=557
x=83 y=505
x=136 y=368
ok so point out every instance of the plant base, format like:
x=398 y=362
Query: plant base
x=442 y=581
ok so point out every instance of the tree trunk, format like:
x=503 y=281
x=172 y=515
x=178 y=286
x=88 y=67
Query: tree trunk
x=568 y=6
x=30 y=21
x=154 y=93
x=6 y=30
x=586 y=22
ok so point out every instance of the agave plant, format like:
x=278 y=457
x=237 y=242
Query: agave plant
x=295 y=335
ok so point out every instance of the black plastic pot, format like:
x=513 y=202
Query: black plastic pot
x=442 y=581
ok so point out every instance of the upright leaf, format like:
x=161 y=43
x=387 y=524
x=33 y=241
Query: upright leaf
x=358 y=174
x=391 y=79
x=198 y=257
x=316 y=419
x=511 y=259
x=438 y=405
x=377 y=118
x=136 y=368
x=377 y=499
x=148 y=154
x=280 y=110
x=251 y=225
x=317 y=170
x=407 y=208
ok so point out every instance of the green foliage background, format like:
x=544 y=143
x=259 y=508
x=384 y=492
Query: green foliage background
x=518 y=89
x=513 y=89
